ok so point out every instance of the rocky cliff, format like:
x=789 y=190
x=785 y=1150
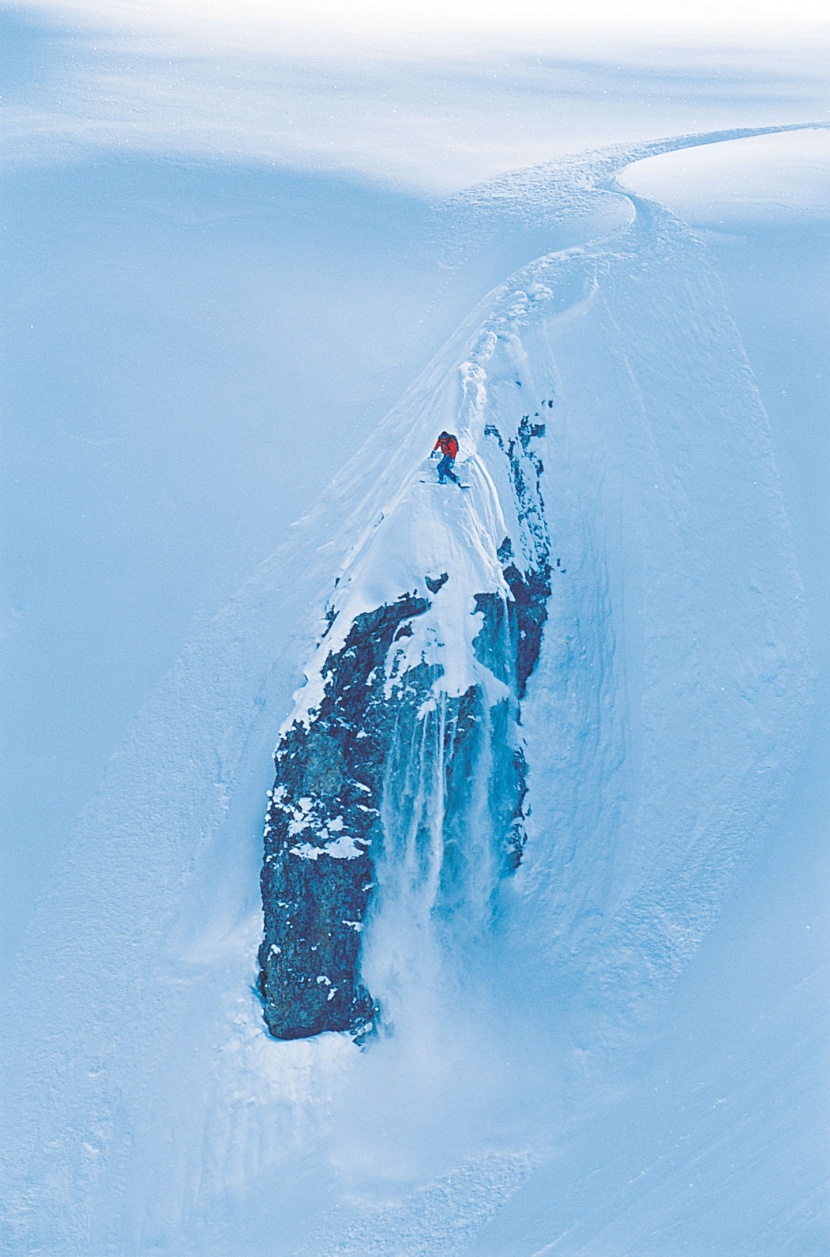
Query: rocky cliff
x=403 y=763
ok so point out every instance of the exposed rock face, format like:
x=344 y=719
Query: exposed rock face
x=325 y=810
x=389 y=764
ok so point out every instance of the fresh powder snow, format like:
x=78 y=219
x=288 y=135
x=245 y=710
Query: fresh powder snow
x=619 y=1044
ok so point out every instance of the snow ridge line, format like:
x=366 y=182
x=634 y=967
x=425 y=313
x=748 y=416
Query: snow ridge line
x=430 y=636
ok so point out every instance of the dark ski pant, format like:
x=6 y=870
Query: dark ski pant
x=445 y=469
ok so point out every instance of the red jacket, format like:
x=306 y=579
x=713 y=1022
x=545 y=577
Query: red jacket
x=447 y=445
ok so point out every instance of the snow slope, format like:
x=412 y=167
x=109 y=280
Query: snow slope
x=588 y=1064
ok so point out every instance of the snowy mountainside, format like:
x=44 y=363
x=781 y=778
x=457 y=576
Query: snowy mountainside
x=402 y=766
x=675 y=652
x=660 y=414
x=146 y=1108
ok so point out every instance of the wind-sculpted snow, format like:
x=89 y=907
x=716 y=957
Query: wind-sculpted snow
x=559 y=346
x=401 y=777
x=431 y=736
x=593 y=659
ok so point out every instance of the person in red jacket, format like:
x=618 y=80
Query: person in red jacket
x=448 y=446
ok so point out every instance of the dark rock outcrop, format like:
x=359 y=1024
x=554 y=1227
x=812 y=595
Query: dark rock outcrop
x=325 y=807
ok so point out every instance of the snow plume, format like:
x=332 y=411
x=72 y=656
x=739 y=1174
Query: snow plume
x=406 y=741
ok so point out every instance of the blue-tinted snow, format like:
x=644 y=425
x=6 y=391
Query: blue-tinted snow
x=639 y=1062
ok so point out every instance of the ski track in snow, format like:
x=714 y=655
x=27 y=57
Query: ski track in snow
x=660 y=724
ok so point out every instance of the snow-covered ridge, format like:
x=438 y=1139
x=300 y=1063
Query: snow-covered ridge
x=432 y=563
x=403 y=760
x=662 y=718
x=424 y=659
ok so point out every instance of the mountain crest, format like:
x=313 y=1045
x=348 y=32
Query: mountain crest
x=401 y=773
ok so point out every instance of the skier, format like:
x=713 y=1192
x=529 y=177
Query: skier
x=447 y=444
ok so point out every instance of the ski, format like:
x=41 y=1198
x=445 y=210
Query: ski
x=441 y=486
